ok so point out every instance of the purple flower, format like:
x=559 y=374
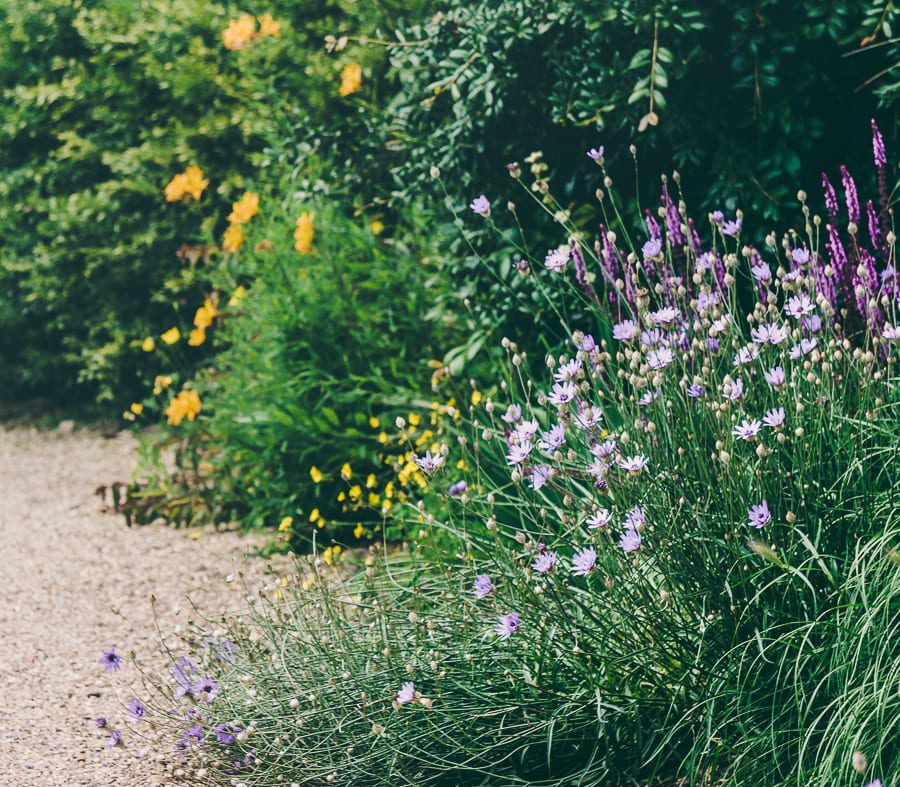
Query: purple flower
x=562 y=393
x=652 y=248
x=717 y=216
x=850 y=196
x=545 y=562
x=583 y=562
x=588 y=344
x=775 y=376
x=205 y=689
x=664 y=316
x=626 y=330
x=800 y=256
x=136 y=708
x=430 y=464
x=114 y=739
x=457 y=489
x=182 y=671
x=553 y=439
x=599 y=519
x=568 y=371
x=737 y=390
x=880 y=155
x=759 y=515
x=774 y=418
x=652 y=337
x=100 y=722
x=192 y=733
x=540 y=475
x=877 y=782
x=805 y=347
x=518 y=453
x=694 y=391
x=660 y=358
x=630 y=541
x=648 y=397
x=747 y=430
x=481 y=205
x=799 y=306
x=769 y=334
x=557 y=259
x=406 y=693
x=891 y=332
x=483 y=586
x=732 y=228
x=746 y=354
x=596 y=154
x=226 y=651
x=636 y=518
x=604 y=450
x=513 y=413
x=227 y=733
x=508 y=625
x=111 y=661
x=632 y=464
x=761 y=272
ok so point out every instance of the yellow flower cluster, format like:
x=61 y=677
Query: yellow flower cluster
x=242 y=31
x=241 y=212
x=171 y=336
x=203 y=318
x=185 y=405
x=189 y=183
x=351 y=79
x=160 y=383
x=303 y=235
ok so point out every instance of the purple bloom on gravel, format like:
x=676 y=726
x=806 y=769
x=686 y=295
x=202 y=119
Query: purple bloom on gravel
x=205 y=689
x=483 y=586
x=652 y=248
x=110 y=661
x=561 y=394
x=799 y=306
x=747 y=430
x=557 y=259
x=596 y=154
x=583 y=562
x=774 y=418
x=100 y=722
x=192 y=733
x=182 y=671
x=694 y=391
x=227 y=733
x=508 y=625
x=407 y=693
x=759 y=515
x=632 y=464
x=599 y=519
x=114 y=739
x=626 y=330
x=540 y=476
x=545 y=562
x=775 y=376
x=630 y=541
x=226 y=650
x=136 y=708
x=457 y=489
x=481 y=205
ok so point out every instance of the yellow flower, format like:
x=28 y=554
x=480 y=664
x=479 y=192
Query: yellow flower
x=377 y=227
x=351 y=79
x=331 y=554
x=371 y=481
x=374 y=422
x=476 y=398
x=389 y=489
x=303 y=235
x=148 y=345
x=185 y=405
x=415 y=419
x=171 y=336
x=160 y=383
x=285 y=524
x=137 y=408
x=268 y=26
x=346 y=472
x=205 y=315
x=189 y=183
x=315 y=515
x=383 y=438
x=355 y=492
x=342 y=496
x=244 y=209
x=233 y=238
x=359 y=530
x=238 y=295
x=239 y=32
x=197 y=337
x=374 y=499
x=316 y=475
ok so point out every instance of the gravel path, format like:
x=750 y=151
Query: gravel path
x=73 y=582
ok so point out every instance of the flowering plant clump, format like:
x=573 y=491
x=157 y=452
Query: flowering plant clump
x=675 y=556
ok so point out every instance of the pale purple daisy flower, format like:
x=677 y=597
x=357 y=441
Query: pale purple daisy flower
x=705 y=262
x=876 y=783
x=553 y=439
x=100 y=722
x=557 y=259
x=706 y=300
x=110 y=661
x=732 y=228
x=800 y=256
x=774 y=418
x=483 y=586
x=568 y=371
x=720 y=325
x=114 y=739
x=812 y=323
x=583 y=562
x=526 y=430
x=513 y=413
x=599 y=519
x=761 y=271
x=429 y=463
x=769 y=334
x=694 y=391
x=136 y=708
x=604 y=450
x=636 y=518
x=660 y=358
x=226 y=651
x=458 y=488
x=652 y=248
x=746 y=354
x=508 y=625
x=596 y=154
x=205 y=689
x=652 y=337
x=406 y=693
x=626 y=330
x=737 y=390
x=717 y=216
x=227 y=733
x=747 y=430
x=481 y=205
x=587 y=343
x=632 y=464
x=664 y=316
x=759 y=515
x=648 y=398
x=562 y=393
x=891 y=332
x=589 y=416
x=805 y=347
x=545 y=562
x=775 y=376
x=518 y=453
x=540 y=476
x=799 y=306
x=630 y=541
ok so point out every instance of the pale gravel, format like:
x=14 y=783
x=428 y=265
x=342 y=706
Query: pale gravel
x=75 y=581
